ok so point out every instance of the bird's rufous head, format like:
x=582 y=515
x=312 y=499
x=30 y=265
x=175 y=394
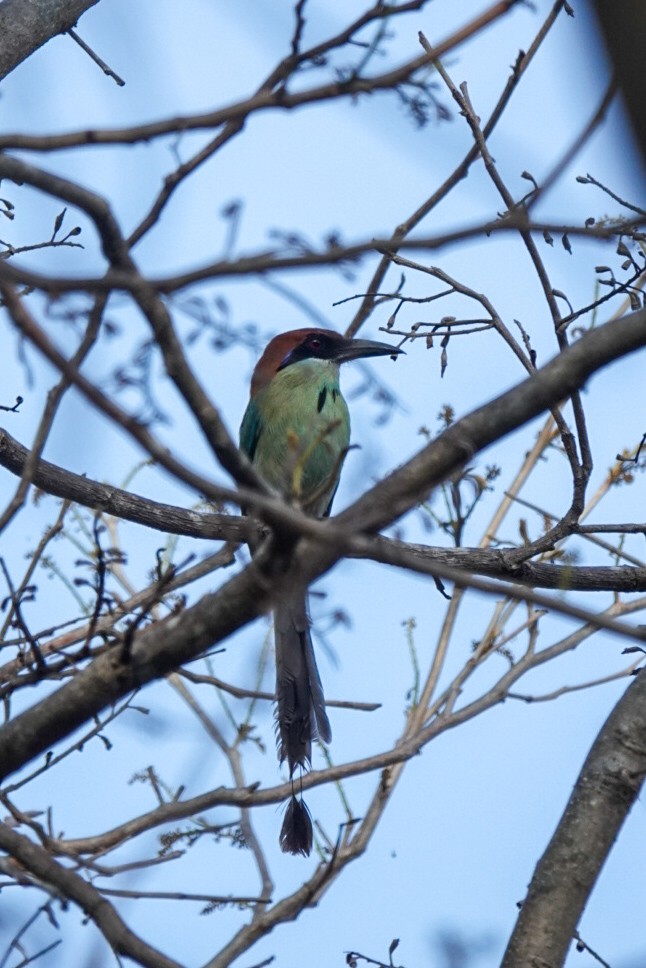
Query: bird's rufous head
x=319 y=344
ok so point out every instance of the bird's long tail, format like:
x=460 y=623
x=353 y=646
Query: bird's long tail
x=300 y=711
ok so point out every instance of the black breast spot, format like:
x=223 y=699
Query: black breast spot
x=321 y=400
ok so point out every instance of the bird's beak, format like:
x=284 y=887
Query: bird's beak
x=356 y=349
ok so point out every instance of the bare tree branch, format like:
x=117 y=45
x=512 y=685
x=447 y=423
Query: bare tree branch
x=273 y=261
x=131 y=613
x=163 y=648
x=25 y=25
x=262 y=101
x=114 y=500
x=608 y=785
x=70 y=885
x=505 y=565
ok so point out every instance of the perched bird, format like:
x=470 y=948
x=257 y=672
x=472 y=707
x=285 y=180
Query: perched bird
x=296 y=431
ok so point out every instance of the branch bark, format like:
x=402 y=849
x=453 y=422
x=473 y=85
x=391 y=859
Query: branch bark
x=25 y=25
x=38 y=863
x=269 y=260
x=83 y=490
x=264 y=100
x=170 y=519
x=608 y=785
x=162 y=648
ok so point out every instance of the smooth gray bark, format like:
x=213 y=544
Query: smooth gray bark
x=25 y=25
x=608 y=785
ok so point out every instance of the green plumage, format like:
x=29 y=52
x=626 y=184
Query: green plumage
x=296 y=430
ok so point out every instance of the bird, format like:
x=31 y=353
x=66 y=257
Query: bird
x=296 y=432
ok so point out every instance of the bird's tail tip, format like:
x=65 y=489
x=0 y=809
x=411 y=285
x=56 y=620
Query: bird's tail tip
x=297 y=832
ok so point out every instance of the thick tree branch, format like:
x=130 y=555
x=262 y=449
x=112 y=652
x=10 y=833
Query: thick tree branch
x=503 y=565
x=114 y=500
x=170 y=519
x=399 y=556
x=39 y=863
x=156 y=652
x=164 y=647
x=25 y=25
x=608 y=785
x=127 y=644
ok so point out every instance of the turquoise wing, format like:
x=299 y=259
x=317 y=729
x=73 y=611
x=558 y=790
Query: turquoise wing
x=250 y=430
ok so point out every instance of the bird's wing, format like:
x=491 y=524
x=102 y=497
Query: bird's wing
x=250 y=430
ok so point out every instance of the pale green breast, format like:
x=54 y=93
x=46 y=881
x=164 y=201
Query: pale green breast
x=304 y=433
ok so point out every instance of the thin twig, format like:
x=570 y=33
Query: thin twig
x=95 y=57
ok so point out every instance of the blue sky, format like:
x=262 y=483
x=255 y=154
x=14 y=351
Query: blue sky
x=468 y=822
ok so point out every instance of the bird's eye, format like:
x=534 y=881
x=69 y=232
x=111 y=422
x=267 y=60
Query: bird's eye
x=314 y=343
